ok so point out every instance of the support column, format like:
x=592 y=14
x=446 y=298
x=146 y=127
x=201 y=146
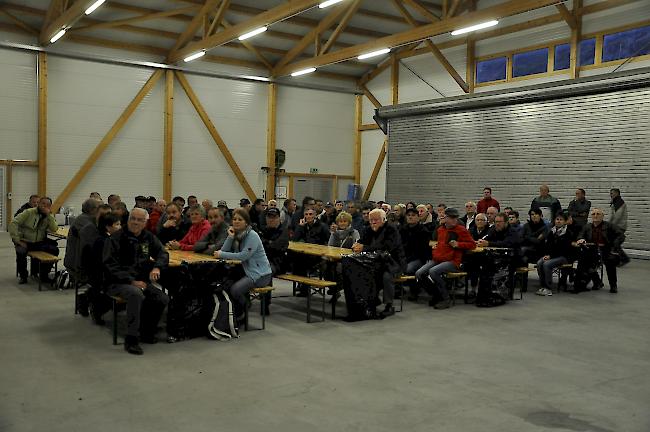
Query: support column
x=42 y=123
x=270 y=140
x=168 y=161
x=358 y=114
x=394 y=80
x=574 y=68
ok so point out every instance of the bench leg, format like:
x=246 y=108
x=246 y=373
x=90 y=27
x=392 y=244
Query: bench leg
x=401 y=297
x=38 y=273
x=334 y=301
x=263 y=301
x=308 y=304
x=246 y=313
x=322 y=291
x=114 y=322
x=76 y=298
x=466 y=299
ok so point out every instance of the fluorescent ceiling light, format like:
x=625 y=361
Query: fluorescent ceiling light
x=328 y=3
x=303 y=72
x=374 y=53
x=256 y=78
x=475 y=27
x=194 y=56
x=58 y=35
x=252 y=33
x=94 y=6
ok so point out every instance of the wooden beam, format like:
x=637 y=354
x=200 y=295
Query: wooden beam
x=137 y=19
x=216 y=21
x=421 y=10
x=375 y=171
x=168 y=152
x=106 y=141
x=189 y=33
x=28 y=163
x=453 y=8
x=434 y=50
x=394 y=80
x=65 y=20
x=501 y=10
x=567 y=15
x=271 y=126
x=180 y=76
x=42 y=123
x=574 y=67
x=251 y=48
x=52 y=11
x=470 y=62
x=370 y=96
x=367 y=127
x=20 y=23
x=323 y=25
x=358 y=119
x=342 y=25
x=273 y=15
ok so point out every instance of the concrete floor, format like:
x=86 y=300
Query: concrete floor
x=563 y=363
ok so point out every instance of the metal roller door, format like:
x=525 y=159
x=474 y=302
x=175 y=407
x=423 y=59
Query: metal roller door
x=593 y=134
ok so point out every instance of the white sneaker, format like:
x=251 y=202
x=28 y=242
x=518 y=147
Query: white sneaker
x=540 y=291
x=546 y=292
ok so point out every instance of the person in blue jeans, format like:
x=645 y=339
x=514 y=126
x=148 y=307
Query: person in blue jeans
x=245 y=245
x=557 y=251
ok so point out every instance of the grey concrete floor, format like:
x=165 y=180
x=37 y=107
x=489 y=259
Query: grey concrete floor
x=562 y=363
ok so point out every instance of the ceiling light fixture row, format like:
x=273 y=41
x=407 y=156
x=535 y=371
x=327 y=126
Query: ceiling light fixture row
x=93 y=7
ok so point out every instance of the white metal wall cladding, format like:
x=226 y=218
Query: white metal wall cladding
x=596 y=142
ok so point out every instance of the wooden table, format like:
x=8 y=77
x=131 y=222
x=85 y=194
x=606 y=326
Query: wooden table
x=61 y=233
x=176 y=257
x=329 y=252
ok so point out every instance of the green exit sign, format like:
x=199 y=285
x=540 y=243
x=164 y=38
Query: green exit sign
x=313 y=170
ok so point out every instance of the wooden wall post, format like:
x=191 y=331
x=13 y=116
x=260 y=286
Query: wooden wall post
x=270 y=140
x=574 y=68
x=358 y=117
x=394 y=80
x=375 y=172
x=10 y=190
x=168 y=161
x=42 y=123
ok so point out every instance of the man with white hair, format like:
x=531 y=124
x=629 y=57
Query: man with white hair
x=384 y=237
x=470 y=214
x=133 y=259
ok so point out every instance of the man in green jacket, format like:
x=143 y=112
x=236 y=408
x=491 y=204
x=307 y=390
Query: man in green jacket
x=29 y=233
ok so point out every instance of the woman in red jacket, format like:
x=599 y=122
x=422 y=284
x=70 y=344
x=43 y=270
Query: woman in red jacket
x=200 y=227
x=452 y=240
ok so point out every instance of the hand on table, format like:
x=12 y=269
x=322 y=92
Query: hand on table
x=357 y=247
x=174 y=245
x=481 y=243
x=139 y=284
x=217 y=254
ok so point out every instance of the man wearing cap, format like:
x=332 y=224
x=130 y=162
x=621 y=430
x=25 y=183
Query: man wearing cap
x=227 y=213
x=140 y=202
x=275 y=239
x=328 y=217
x=452 y=240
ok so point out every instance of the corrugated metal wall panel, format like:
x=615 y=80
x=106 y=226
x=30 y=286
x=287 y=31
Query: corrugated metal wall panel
x=18 y=105
x=596 y=142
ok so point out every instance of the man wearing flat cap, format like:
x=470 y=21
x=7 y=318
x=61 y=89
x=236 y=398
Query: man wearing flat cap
x=453 y=240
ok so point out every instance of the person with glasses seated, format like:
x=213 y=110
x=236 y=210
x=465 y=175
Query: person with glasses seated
x=384 y=237
x=133 y=260
x=309 y=230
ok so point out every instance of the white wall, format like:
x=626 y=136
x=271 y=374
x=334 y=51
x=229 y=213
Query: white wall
x=315 y=128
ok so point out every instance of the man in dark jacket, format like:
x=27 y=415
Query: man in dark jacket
x=133 y=259
x=579 y=208
x=534 y=233
x=72 y=260
x=299 y=214
x=608 y=239
x=33 y=202
x=384 y=237
x=308 y=230
x=275 y=239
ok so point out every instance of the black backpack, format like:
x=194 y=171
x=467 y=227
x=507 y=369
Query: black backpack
x=222 y=324
x=362 y=279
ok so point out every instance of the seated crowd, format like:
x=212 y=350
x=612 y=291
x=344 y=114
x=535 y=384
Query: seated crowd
x=122 y=253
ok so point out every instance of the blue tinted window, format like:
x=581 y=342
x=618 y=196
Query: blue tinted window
x=630 y=43
x=562 y=57
x=587 y=52
x=530 y=62
x=491 y=70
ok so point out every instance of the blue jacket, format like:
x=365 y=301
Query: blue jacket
x=251 y=253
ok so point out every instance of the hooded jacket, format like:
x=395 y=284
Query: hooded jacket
x=32 y=226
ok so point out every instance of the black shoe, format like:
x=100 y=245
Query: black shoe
x=445 y=304
x=149 y=339
x=613 y=290
x=597 y=287
x=132 y=346
x=22 y=281
x=388 y=310
x=83 y=304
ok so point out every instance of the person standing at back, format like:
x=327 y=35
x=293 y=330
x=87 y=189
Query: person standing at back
x=548 y=204
x=579 y=208
x=487 y=201
x=618 y=210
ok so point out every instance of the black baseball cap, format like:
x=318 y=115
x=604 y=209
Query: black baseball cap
x=451 y=212
x=272 y=212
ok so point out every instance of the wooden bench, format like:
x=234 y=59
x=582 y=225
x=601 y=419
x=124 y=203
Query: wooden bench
x=258 y=294
x=400 y=281
x=314 y=286
x=567 y=269
x=42 y=257
x=520 y=275
x=450 y=280
x=117 y=301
